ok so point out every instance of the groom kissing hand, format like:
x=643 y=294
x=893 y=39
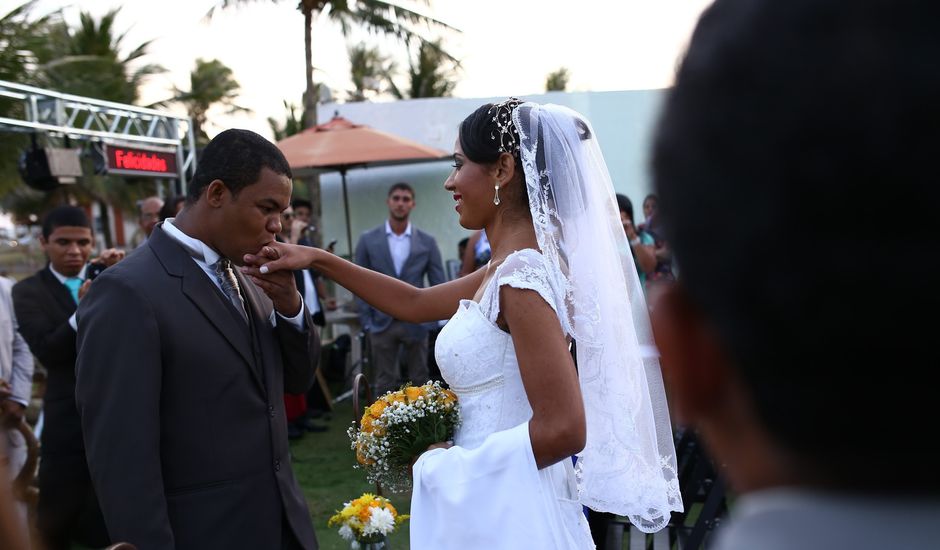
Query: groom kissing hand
x=183 y=362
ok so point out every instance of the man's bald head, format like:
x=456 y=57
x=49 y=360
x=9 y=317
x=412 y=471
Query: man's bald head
x=150 y=213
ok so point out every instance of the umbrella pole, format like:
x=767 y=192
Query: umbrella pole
x=349 y=247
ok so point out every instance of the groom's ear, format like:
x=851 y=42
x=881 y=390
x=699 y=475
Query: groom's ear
x=696 y=369
x=215 y=193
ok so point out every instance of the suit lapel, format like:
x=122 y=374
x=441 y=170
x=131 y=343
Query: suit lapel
x=385 y=252
x=417 y=249
x=203 y=293
x=58 y=290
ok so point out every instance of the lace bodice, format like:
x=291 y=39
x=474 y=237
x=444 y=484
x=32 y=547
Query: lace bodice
x=477 y=358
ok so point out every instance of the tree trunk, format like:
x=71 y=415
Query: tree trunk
x=309 y=121
x=105 y=224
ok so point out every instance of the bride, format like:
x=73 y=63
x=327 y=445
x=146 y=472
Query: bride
x=561 y=272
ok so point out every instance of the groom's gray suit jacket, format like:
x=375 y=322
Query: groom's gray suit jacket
x=182 y=406
x=372 y=252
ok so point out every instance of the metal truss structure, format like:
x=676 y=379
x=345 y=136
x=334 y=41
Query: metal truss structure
x=65 y=116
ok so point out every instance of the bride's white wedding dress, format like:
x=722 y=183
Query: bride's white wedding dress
x=486 y=492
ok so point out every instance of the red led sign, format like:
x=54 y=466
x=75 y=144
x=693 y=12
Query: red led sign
x=137 y=161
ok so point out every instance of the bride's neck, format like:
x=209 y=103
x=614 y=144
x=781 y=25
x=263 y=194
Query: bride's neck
x=507 y=236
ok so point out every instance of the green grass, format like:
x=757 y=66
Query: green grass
x=323 y=464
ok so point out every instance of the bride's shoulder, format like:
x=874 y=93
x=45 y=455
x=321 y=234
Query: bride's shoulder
x=526 y=257
x=529 y=269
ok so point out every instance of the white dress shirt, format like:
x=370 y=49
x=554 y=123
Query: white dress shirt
x=205 y=257
x=73 y=322
x=310 y=293
x=399 y=245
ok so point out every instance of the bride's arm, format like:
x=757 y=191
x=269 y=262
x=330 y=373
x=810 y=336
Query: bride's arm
x=388 y=294
x=557 y=428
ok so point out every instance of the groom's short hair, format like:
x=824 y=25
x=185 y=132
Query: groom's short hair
x=236 y=157
x=786 y=123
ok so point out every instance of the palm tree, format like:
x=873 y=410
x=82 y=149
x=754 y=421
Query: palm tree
x=433 y=74
x=22 y=34
x=293 y=123
x=87 y=61
x=375 y=16
x=210 y=83
x=557 y=81
x=368 y=68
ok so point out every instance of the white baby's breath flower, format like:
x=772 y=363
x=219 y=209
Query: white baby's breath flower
x=347 y=533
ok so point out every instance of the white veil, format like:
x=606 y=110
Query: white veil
x=628 y=466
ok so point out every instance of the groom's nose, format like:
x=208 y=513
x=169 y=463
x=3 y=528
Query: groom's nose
x=274 y=225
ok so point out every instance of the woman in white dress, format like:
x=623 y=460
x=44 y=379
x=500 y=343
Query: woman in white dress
x=533 y=177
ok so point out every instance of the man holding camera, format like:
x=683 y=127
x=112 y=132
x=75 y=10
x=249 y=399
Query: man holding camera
x=45 y=305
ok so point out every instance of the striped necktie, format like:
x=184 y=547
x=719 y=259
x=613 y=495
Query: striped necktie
x=229 y=284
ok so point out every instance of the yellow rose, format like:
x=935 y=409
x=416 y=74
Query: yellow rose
x=376 y=409
x=413 y=393
x=449 y=396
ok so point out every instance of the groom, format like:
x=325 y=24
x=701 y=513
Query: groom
x=183 y=363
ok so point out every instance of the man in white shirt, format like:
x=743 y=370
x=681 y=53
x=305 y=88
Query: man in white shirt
x=399 y=250
x=198 y=356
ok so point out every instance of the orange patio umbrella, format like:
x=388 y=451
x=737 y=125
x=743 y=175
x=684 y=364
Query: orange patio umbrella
x=339 y=145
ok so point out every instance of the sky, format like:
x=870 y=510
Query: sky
x=506 y=47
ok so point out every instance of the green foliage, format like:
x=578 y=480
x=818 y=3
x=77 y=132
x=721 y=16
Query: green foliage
x=368 y=68
x=84 y=60
x=432 y=74
x=211 y=83
x=557 y=81
x=293 y=124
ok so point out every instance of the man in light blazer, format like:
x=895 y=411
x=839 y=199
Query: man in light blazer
x=399 y=250
x=182 y=366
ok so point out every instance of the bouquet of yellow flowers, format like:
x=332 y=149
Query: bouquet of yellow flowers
x=398 y=427
x=367 y=519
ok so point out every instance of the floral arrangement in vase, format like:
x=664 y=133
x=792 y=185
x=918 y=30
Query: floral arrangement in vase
x=367 y=521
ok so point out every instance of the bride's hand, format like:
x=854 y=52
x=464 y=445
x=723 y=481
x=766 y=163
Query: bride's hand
x=442 y=445
x=277 y=256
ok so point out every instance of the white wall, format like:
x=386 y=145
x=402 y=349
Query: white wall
x=623 y=122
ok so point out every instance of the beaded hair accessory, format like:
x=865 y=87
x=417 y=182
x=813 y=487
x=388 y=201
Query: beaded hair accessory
x=508 y=136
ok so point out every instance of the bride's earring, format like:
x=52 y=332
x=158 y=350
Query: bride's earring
x=496 y=200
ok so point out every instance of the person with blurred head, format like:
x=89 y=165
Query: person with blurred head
x=475 y=254
x=303 y=211
x=805 y=373
x=641 y=242
x=182 y=365
x=172 y=207
x=148 y=217
x=45 y=306
x=16 y=388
